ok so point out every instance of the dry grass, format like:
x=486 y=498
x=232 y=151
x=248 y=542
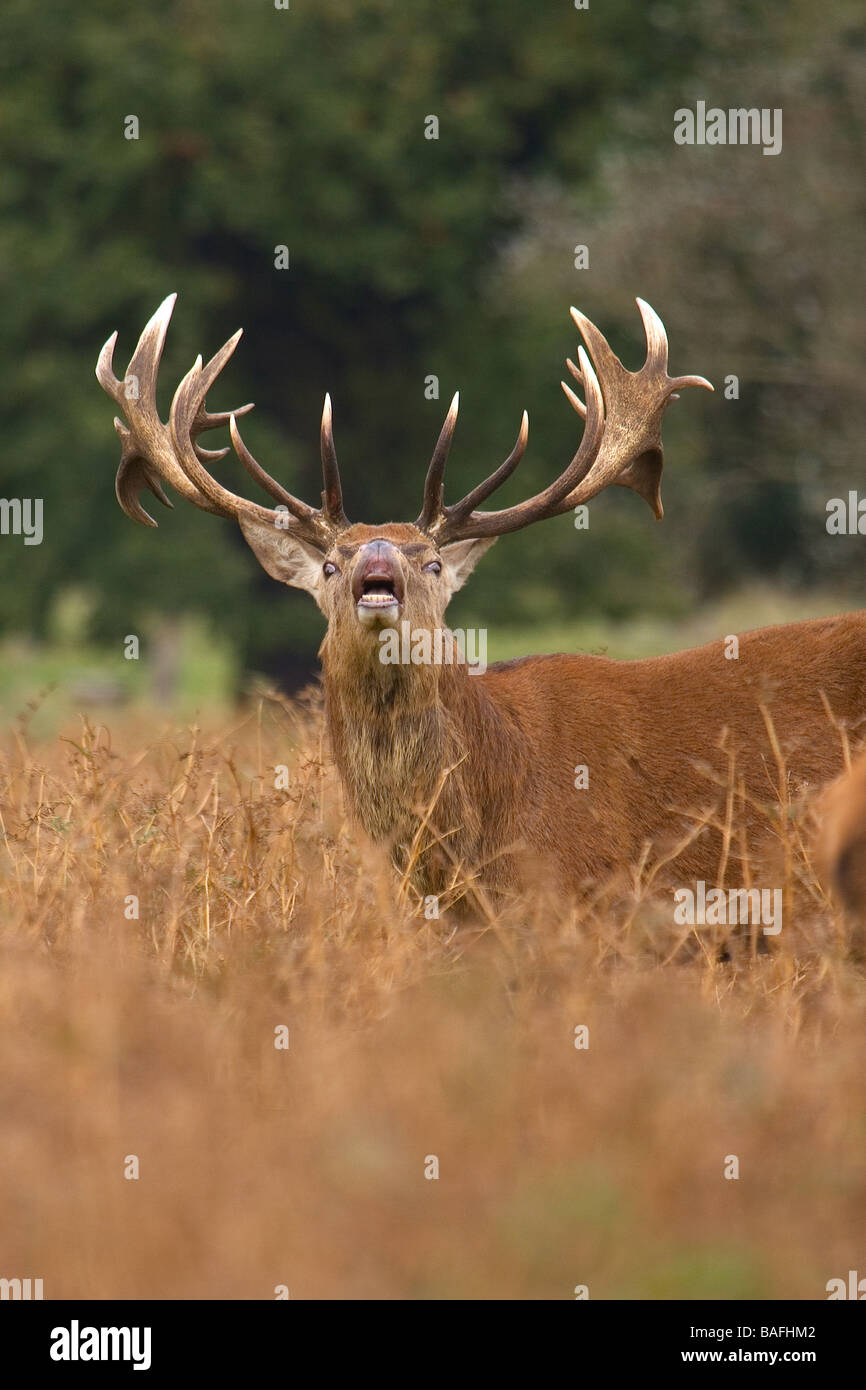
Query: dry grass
x=261 y=907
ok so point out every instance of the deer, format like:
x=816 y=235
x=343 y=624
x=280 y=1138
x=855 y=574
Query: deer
x=467 y=779
x=841 y=842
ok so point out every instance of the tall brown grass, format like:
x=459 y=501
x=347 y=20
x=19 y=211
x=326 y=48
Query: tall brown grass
x=259 y=906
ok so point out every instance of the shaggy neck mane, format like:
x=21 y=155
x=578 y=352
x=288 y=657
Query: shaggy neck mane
x=395 y=729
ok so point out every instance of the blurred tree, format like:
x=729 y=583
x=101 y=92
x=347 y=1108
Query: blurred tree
x=305 y=128
x=757 y=263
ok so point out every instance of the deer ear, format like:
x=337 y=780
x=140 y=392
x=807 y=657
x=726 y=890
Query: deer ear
x=286 y=558
x=460 y=558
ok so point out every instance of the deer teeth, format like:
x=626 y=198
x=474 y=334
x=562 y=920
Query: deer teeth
x=378 y=610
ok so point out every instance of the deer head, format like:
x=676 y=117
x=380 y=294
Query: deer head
x=366 y=578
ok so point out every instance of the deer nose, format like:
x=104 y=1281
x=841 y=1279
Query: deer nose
x=378 y=571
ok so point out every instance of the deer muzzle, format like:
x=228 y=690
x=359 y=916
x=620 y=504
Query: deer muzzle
x=377 y=585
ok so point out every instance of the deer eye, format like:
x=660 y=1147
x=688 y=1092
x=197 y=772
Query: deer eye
x=434 y=567
x=328 y=569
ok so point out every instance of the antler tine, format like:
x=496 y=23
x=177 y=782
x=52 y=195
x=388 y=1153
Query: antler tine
x=455 y=524
x=599 y=348
x=332 y=496
x=432 y=510
x=576 y=402
x=146 y=450
x=631 y=454
x=105 y=367
x=656 y=337
x=484 y=490
x=259 y=474
x=208 y=420
x=144 y=362
x=657 y=347
x=317 y=527
x=152 y=450
x=131 y=477
x=621 y=441
x=185 y=411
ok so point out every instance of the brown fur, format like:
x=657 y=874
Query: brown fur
x=476 y=773
x=842 y=839
x=466 y=775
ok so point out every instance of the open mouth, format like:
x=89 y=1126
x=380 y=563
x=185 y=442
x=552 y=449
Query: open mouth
x=378 y=593
x=377 y=588
x=380 y=601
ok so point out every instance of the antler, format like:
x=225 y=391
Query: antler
x=153 y=452
x=621 y=441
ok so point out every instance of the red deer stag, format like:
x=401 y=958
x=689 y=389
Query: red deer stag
x=471 y=777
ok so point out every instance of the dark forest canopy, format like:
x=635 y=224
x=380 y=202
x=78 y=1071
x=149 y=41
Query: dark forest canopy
x=411 y=257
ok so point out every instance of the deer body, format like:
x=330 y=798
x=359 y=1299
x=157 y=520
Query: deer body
x=648 y=733
x=472 y=778
x=842 y=843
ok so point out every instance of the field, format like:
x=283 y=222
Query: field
x=242 y=1057
x=175 y=895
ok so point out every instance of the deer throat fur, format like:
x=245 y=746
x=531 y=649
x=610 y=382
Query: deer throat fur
x=393 y=740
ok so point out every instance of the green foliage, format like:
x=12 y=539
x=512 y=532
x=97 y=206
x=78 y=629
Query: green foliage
x=184 y=670
x=409 y=257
